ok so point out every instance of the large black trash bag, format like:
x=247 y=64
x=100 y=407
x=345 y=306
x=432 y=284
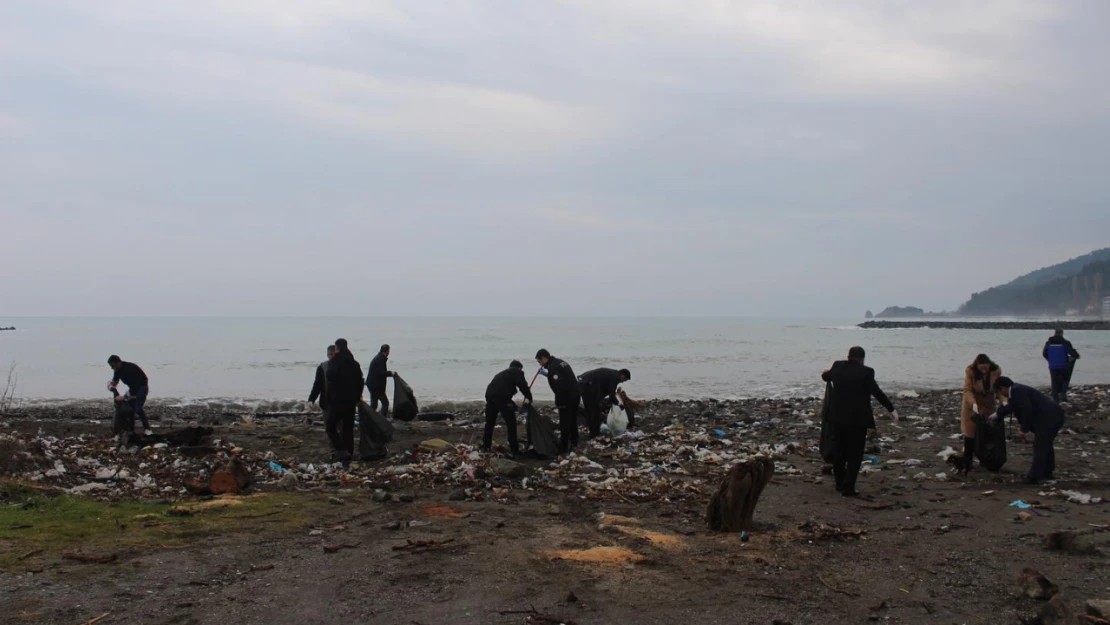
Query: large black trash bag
x=374 y=432
x=990 y=442
x=828 y=444
x=541 y=433
x=404 y=402
x=124 y=419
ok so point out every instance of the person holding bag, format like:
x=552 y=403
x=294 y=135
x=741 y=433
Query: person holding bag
x=980 y=387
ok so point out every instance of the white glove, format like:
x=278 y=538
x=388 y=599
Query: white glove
x=975 y=408
x=894 y=416
x=993 y=417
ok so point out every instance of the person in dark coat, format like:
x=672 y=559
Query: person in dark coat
x=1038 y=414
x=598 y=387
x=850 y=413
x=1061 y=357
x=499 y=401
x=138 y=387
x=321 y=382
x=343 y=389
x=564 y=384
x=375 y=380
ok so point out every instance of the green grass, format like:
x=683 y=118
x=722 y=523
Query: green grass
x=31 y=520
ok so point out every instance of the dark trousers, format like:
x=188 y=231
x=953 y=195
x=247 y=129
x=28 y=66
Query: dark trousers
x=851 y=441
x=568 y=426
x=1059 y=383
x=377 y=397
x=507 y=409
x=340 y=426
x=591 y=402
x=1044 y=456
x=138 y=401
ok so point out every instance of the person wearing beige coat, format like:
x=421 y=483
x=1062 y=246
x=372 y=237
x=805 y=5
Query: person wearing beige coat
x=979 y=398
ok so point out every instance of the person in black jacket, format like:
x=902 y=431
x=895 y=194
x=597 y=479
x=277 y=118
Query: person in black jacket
x=343 y=389
x=600 y=386
x=320 y=383
x=850 y=413
x=499 y=401
x=375 y=380
x=565 y=386
x=1038 y=414
x=138 y=387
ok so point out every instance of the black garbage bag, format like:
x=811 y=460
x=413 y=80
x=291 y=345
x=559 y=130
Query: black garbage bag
x=542 y=439
x=124 y=419
x=374 y=432
x=404 y=402
x=828 y=445
x=990 y=442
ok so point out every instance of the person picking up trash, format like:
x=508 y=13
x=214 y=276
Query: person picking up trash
x=564 y=384
x=375 y=380
x=980 y=379
x=1038 y=414
x=138 y=387
x=853 y=386
x=499 y=401
x=597 y=387
x=344 y=391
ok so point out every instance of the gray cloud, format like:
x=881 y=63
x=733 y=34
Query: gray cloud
x=613 y=157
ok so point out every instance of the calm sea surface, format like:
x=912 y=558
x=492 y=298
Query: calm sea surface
x=192 y=359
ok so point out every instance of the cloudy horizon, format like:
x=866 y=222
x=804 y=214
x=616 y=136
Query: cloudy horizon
x=608 y=158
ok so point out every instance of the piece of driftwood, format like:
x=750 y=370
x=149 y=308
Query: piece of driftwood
x=733 y=505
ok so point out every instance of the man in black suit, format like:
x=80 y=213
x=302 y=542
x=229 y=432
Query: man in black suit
x=1038 y=414
x=499 y=401
x=853 y=386
x=563 y=382
x=344 y=390
x=375 y=380
x=321 y=381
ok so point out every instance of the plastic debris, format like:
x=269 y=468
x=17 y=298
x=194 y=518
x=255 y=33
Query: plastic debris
x=1020 y=505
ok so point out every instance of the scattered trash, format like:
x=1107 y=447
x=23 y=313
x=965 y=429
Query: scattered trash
x=1080 y=498
x=1036 y=586
x=277 y=468
x=1020 y=505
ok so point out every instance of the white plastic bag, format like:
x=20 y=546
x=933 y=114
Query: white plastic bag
x=617 y=421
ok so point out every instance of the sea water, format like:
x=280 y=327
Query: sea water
x=250 y=359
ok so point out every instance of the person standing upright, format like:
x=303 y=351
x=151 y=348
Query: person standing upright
x=1037 y=414
x=343 y=377
x=853 y=386
x=138 y=387
x=978 y=398
x=1061 y=357
x=375 y=380
x=499 y=401
x=565 y=386
x=321 y=381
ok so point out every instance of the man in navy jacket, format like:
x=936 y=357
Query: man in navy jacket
x=1061 y=357
x=1038 y=414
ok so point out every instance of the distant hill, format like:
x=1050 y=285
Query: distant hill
x=894 y=312
x=1076 y=285
x=1065 y=269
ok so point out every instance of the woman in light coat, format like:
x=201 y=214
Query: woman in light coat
x=979 y=398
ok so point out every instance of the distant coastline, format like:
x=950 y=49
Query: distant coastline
x=987 y=325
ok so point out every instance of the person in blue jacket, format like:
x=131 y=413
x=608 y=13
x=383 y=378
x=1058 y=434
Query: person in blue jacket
x=1038 y=414
x=1061 y=357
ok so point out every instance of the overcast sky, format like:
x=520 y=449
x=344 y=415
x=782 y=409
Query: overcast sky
x=587 y=157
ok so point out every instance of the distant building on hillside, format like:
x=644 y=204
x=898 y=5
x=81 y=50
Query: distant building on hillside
x=1106 y=308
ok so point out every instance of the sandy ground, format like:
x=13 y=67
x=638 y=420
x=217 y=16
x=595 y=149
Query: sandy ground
x=911 y=551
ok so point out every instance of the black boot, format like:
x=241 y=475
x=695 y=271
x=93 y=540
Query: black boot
x=969 y=454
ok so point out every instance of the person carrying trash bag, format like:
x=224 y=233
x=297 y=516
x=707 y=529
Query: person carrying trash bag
x=499 y=401
x=123 y=423
x=344 y=391
x=980 y=378
x=564 y=384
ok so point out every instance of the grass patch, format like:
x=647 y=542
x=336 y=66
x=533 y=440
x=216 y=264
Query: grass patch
x=46 y=525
